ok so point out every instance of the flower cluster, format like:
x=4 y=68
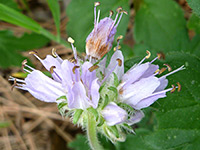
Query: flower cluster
x=79 y=87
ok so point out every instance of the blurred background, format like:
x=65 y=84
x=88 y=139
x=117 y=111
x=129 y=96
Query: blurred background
x=40 y=25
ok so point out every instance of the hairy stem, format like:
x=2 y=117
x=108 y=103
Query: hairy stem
x=92 y=134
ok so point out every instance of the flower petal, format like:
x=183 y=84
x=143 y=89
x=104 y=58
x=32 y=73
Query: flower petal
x=50 y=61
x=114 y=114
x=77 y=98
x=95 y=93
x=148 y=101
x=139 y=90
x=87 y=76
x=135 y=118
x=67 y=74
x=119 y=70
x=163 y=84
x=134 y=74
x=43 y=87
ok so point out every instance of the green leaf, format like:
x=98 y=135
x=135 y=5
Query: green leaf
x=195 y=5
x=160 y=26
x=62 y=97
x=55 y=10
x=61 y=105
x=10 y=3
x=14 y=17
x=11 y=46
x=194 y=23
x=81 y=19
x=195 y=45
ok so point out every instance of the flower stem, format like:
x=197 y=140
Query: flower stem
x=92 y=134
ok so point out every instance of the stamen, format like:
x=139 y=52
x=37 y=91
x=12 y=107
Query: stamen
x=172 y=72
x=70 y=40
x=51 y=69
x=179 y=86
x=54 y=53
x=14 y=84
x=74 y=68
x=93 y=68
x=168 y=67
x=96 y=4
x=117 y=48
x=24 y=63
x=123 y=11
x=13 y=79
x=162 y=70
x=119 y=9
x=157 y=71
x=119 y=38
x=119 y=62
x=161 y=55
x=173 y=88
x=32 y=52
x=148 y=54
x=111 y=13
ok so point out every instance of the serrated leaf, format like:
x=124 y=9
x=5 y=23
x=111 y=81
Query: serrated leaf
x=195 y=5
x=81 y=19
x=160 y=25
x=11 y=46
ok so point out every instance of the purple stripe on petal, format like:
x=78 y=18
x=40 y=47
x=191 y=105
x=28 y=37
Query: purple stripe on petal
x=43 y=87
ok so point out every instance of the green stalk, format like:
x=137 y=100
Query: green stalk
x=92 y=134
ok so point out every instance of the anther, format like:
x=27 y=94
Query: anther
x=148 y=54
x=119 y=38
x=119 y=9
x=70 y=40
x=54 y=53
x=14 y=84
x=96 y=4
x=179 y=86
x=32 y=52
x=162 y=70
x=173 y=89
x=119 y=62
x=168 y=67
x=93 y=68
x=23 y=64
x=157 y=70
x=74 y=68
x=123 y=11
x=161 y=55
x=51 y=69
x=111 y=13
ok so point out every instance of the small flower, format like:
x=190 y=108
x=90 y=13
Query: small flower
x=100 y=40
x=114 y=114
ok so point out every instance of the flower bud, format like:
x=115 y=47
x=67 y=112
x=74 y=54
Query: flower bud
x=114 y=114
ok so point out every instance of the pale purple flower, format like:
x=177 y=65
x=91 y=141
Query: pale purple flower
x=114 y=114
x=139 y=86
x=80 y=89
x=100 y=40
x=135 y=117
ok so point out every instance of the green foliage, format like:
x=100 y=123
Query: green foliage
x=10 y=3
x=81 y=18
x=194 y=23
x=195 y=5
x=160 y=26
x=11 y=46
x=55 y=9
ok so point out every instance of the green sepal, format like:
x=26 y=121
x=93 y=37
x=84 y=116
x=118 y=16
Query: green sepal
x=94 y=112
x=114 y=89
x=101 y=122
x=77 y=115
x=116 y=81
x=114 y=130
x=102 y=86
x=61 y=105
x=106 y=100
x=62 y=97
x=126 y=107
